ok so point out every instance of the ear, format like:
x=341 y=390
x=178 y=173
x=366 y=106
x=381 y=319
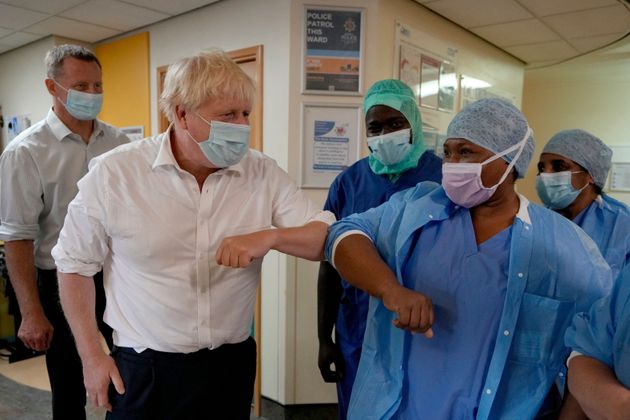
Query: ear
x=180 y=116
x=51 y=87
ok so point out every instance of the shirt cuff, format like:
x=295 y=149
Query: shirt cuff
x=340 y=238
x=324 y=216
x=572 y=355
x=14 y=232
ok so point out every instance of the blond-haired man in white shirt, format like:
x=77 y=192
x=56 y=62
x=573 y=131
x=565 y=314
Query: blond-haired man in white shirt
x=153 y=214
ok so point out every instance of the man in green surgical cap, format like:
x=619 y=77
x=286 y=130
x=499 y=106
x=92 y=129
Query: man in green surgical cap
x=397 y=161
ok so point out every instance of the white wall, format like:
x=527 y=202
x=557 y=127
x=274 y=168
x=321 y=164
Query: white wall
x=591 y=93
x=22 y=89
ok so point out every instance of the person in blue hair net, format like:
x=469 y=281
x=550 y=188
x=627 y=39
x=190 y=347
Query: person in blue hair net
x=397 y=161
x=471 y=290
x=599 y=366
x=572 y=172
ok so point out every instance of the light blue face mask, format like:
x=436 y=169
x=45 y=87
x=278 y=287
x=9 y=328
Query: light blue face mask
x=556 y=190
x=390 y=148
x=227 y=143
x=82 y=105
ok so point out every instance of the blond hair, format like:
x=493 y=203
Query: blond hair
x=208 y=76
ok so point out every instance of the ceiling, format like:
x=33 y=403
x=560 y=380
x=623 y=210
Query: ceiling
x=537 y=32
x=25 y=21
x=540 y=32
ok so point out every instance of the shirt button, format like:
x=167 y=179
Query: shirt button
x=430 y=216
x=520 y=275
x=561 y=374
x=401 y=367
x=488 y=391
x=526 y=227
x=506 y=333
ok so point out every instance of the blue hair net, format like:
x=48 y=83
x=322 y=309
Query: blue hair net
x=584 y=149
x=496 y=125
x=397 y=95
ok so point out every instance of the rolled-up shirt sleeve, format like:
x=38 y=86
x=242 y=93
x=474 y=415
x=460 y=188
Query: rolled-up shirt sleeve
x=20 y=196
x=83 y=241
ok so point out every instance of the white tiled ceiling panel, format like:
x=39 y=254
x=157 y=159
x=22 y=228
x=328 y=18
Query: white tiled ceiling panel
x=25 y=21
x=540 y=31
x=114 y=14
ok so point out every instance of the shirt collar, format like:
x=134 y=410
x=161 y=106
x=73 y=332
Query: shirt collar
x=61 y=131
x=165 y=155
x=523 y=212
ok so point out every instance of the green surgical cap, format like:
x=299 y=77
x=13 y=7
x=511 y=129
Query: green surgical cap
x=584 y=149
x=397 y=95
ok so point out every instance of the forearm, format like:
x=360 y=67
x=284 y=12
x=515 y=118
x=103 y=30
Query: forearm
x=304 y=242
x=328 y=296
x=357 y=260
x=21 y=266
x=571 y=409
x=77 y=295
x=596 y=388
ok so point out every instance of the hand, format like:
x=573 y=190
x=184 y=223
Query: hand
x=414 y=310
x=98 y=372
x=240 y=251
x=329 y=353
x=36 y=331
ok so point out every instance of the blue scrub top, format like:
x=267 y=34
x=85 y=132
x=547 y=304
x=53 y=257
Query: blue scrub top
x=467 y=286
x=555 y=270
x=603 y=333
x=607 y=222
x=356 y=190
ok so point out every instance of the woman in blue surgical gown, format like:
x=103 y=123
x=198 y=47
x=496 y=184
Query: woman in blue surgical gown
x=472 y=286
x=572 y=172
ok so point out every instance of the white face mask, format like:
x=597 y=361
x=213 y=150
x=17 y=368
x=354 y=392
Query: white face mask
x=390 y=148
x=462 y=181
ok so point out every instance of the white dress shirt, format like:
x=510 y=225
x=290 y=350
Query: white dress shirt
x=146 y=222
x=39 y=171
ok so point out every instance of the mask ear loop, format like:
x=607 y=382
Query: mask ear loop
x=520 y=145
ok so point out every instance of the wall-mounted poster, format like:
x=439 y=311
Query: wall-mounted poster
x=409 y=68
x=333 y=46
x=330 y=142
x=429 y=81
x=447 y=87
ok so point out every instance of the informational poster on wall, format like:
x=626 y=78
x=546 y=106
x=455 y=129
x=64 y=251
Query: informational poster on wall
x=333 y=48
x=330 y=142
x=16 y=124
x=428 y=66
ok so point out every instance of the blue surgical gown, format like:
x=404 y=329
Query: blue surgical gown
x=356 y=190
x=467 y=286
x=607 y=222
x=554 y=271
x=603 y=333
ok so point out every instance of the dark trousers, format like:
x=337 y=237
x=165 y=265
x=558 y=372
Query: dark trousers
x=208 y=384
x=62 y=359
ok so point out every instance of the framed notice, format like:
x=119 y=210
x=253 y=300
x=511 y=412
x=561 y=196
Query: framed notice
x=620 y=177
x=330 y=142
x=333 y=50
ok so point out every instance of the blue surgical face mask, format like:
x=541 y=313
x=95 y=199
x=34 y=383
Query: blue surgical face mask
x=556 y=189
x=227 y=143
x=390 y=148
x=82 y=105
